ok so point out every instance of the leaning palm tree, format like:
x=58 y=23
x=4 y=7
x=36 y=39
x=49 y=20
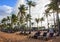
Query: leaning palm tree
x=42 y=19
x=37 y=21
x=57 y=3
x=30 y=3
x=54 y=5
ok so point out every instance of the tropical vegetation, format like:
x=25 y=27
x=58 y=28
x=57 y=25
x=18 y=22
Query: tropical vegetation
x=22 y=21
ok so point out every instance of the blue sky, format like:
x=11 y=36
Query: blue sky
x=8 y=2
x=6 y=7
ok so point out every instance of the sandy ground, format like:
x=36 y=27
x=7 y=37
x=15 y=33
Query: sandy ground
x=15 y=37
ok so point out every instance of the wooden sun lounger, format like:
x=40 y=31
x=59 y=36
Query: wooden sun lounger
x=45 y=36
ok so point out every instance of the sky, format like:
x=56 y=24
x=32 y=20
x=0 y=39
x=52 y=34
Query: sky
x=7 y=2
x=7 y=7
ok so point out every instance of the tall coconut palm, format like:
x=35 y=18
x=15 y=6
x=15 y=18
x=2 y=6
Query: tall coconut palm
x=42 y=19
x=28 y=18
x=21 y=13
x=52 y=7
x=47 y=14
x=55 y=7
x=37 y=21
x=57 y=3
x=30 y=3
x=13 y=19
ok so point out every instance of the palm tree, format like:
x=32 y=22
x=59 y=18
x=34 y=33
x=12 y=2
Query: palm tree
x=42 y=19
x=4 y=21
x=32 y=23
x=57 y=3
x=8 y=21
x=28 y=18
x=54 y=5
x=47 y=14
x=22 y=13
x=30 y=3
x=37 y=21
x=13 y=19
x=8 y=18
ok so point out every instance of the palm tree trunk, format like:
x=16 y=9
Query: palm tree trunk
x=47 y=23
x=27 y=24
x=30 y=14
x=12 y=25
x=41 y=23
x=57 y=16
x=19 y=14
x=54 y=20
x=37 y=26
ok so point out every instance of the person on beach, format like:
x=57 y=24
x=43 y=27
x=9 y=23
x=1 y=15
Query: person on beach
x=51 y=31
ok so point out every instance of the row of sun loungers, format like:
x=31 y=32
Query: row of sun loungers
x=44 y=35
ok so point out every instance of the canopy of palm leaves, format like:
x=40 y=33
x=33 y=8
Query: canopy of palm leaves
x=13 y=18
x=22 y=9
x=32 y=23
x=28 y=17
x=4 y=20
x=8 y=18
x=56 y=1
x=31 y=3
x=52 y=6
x=42 y=19
x=37 y=20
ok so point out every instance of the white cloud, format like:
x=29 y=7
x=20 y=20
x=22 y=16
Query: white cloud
x=5 y=11
x=40 y=7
